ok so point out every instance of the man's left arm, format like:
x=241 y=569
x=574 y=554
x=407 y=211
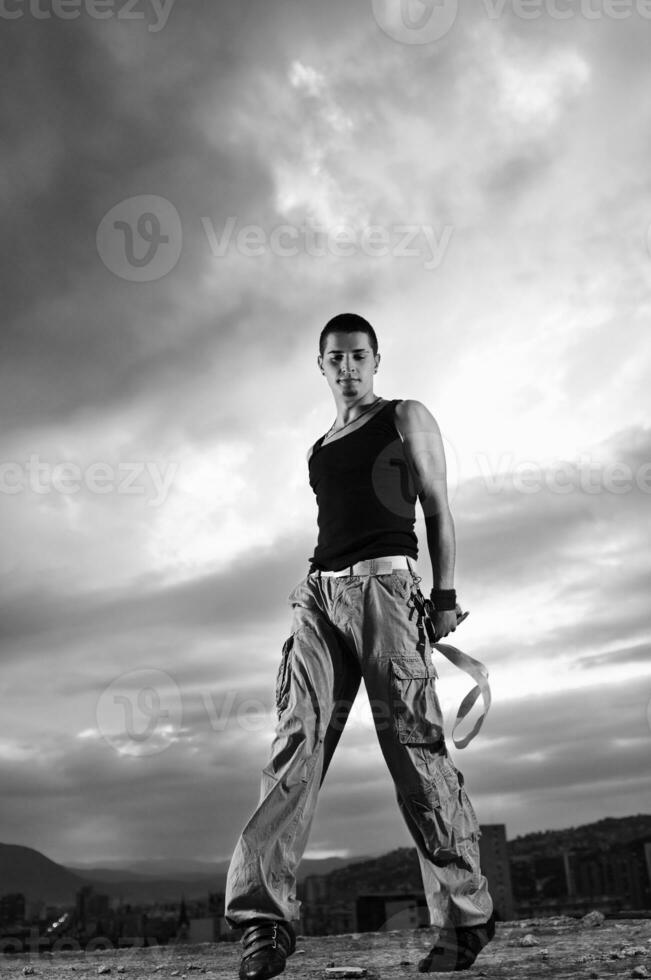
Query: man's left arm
x=425 y=456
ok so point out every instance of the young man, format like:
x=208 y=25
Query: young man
x=355 y=618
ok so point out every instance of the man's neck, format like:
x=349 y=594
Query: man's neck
x=348 y=409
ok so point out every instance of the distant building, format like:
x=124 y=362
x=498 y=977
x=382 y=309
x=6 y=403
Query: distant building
x=620 y=874
x=12 y=909
x=323 y=911
x=561 y=880
x=647 y=859
x=35 y=909
x=383 y=912
x=183 y=923
x=495 y=865
x=89 y=905
x=315 y=889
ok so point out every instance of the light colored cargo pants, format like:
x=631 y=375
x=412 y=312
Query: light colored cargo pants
x=345 y=629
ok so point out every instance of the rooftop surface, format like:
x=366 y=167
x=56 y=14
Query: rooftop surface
x=528 y=949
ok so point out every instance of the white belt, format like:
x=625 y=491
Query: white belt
x=371 y=566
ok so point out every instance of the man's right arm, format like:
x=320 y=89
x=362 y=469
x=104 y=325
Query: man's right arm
x=425 y=457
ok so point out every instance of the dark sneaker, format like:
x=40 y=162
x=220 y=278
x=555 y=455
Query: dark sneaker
x=266 y=946
x=459 y=949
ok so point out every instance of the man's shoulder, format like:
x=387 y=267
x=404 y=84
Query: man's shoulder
x=312 y=448
x=412 y=413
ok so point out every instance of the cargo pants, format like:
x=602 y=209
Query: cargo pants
x=345 y=629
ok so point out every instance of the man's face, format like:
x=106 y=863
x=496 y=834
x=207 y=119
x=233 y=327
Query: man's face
x=349 y=364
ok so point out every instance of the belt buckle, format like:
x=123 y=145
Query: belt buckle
x=380 y=566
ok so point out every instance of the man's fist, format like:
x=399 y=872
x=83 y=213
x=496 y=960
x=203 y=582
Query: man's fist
x=446 y=622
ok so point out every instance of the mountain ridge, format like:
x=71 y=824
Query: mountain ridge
x=28 y=871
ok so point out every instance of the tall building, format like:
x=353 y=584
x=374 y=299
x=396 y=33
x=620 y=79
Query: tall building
x=619 y=874
x=494 y=856
x=12 y=908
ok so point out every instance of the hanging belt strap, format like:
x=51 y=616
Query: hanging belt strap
x=463 y=661
x=479 y=674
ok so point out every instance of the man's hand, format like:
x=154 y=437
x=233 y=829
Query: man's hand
x=445 y=622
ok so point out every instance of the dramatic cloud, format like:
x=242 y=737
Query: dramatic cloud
x=483 y=200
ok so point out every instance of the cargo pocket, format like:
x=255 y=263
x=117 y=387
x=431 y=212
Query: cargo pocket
x=283 y=676
x=448 y=781
x=415 y=705
x=457 y=810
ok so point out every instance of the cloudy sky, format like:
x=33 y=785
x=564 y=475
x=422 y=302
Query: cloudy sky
x=189 y=190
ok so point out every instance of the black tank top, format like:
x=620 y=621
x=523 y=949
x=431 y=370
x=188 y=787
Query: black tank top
x=365 y=495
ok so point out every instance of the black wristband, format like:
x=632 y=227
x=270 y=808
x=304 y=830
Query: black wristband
x=444 y=600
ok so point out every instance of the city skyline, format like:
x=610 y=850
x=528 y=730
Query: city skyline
x=481 y=198
x=605 y=866
x=178 y=864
